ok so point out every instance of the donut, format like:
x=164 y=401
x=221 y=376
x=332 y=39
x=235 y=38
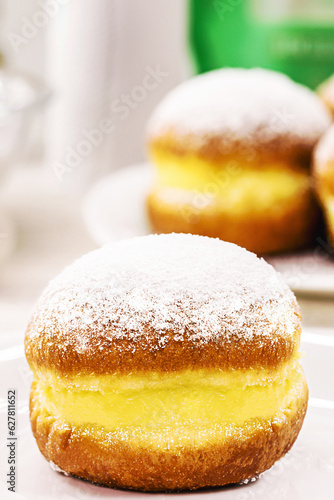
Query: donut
x=323 y=171
x=231 y=151
x=166 y=362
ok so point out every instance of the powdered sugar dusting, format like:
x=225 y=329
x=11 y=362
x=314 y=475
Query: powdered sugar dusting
x=242 y=105
x=194 y=286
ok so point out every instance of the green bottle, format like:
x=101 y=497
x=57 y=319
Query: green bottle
x=295 y=37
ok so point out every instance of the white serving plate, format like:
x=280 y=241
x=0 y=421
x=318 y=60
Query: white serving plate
x=305 y=473
x=114 y=209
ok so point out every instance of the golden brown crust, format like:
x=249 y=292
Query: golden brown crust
x=289 y=228
x=94 y=454
x=121 y=357
x=211 y=148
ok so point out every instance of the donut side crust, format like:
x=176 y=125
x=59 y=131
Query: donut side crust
x=217 y=149
x=128 y=356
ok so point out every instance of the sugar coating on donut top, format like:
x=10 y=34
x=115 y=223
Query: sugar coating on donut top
x=240 y=105
x=199 y=288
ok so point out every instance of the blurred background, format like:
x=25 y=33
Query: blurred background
x=78 y=81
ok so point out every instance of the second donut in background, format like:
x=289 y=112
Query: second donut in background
x=232 y=151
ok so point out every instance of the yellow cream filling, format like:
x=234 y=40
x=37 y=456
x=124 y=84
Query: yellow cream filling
x=232 y=183
x=155 y=401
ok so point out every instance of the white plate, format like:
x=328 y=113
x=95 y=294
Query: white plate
x=114 y=209
x=305 y=473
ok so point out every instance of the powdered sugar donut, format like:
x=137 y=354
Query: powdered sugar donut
x=231 y=150
x=166 y=362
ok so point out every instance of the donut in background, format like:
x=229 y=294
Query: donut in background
x=231 y=151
